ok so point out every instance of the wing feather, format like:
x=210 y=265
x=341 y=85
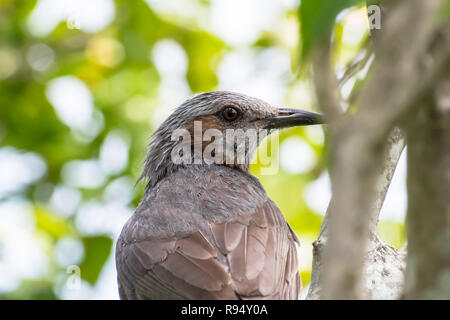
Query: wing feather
x=258 y=261
x=174 y=250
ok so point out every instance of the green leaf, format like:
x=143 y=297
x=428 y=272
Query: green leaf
x=317 y=18
x=96 y=252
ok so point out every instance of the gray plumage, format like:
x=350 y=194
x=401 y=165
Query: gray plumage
x=209 y=231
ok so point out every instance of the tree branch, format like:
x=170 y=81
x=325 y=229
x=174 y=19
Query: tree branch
x=357 y=143
x=384 y=266
x=325 y=82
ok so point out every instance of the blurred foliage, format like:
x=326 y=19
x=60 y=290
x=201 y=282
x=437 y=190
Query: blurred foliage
x=116 y=65
x=444 y=13
x=97 y=250
x=317 y=19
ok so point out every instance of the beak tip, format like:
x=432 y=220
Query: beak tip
x=320 y=119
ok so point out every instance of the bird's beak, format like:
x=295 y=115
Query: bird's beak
x=293 y=117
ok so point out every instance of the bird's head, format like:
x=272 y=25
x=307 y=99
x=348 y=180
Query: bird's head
x=218 y=127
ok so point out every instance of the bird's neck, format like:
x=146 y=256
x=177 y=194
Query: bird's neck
x=155 y=173
x=171 y=150
x=159 y=165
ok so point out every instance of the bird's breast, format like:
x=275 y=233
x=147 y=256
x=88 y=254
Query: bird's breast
x=190 y=198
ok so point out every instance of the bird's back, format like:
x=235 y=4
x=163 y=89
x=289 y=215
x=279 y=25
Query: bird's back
x=207 y=232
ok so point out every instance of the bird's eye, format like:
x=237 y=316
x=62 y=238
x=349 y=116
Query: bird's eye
x=230 y=113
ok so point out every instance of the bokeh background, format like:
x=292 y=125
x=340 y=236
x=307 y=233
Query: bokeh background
x=83 y=84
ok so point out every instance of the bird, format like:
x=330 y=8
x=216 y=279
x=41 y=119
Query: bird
x=205 y=229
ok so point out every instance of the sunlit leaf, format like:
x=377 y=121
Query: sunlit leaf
x=392 y=232
x=52 y=224
x=305 y=276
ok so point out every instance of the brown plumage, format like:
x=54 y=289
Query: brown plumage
x=209 y=231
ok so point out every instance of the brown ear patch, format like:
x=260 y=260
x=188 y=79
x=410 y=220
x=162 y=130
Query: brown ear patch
x=211 y=122
x=208 y=122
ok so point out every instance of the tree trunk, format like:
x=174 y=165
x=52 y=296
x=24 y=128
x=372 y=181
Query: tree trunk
x=428 y=220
